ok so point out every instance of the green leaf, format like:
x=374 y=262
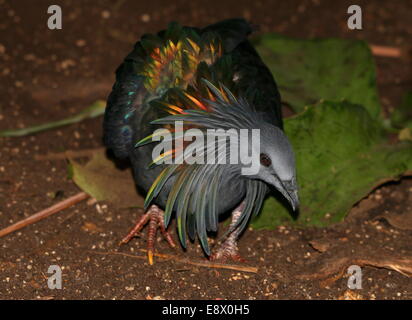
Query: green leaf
x=331 y=69
x=95 y=110
x=341 y=147
x=341 y=155
x=101 y=179
x=401 y=117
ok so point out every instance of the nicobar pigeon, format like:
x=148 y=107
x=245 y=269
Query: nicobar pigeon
x=205 y=79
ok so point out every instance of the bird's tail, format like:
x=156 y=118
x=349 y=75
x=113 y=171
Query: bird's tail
x=232 y=31
x=121 y=109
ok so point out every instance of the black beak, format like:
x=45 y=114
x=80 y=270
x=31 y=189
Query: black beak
x=290 y=192
x=294 y=199
x=288 y=189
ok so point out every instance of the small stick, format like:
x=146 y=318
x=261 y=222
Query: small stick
x=208 y=264
x=67 y=154
x=384 y=51
x=44 y=213
x=194 y=263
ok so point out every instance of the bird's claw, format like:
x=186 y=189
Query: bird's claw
x=228 y=250
x=155 y=217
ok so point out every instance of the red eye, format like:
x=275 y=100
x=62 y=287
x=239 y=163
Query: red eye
x=265 y=160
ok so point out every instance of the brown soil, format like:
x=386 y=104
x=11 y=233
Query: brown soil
x=47 y=75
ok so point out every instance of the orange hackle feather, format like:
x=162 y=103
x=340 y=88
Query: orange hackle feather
x=165 y=66
x=196 y=102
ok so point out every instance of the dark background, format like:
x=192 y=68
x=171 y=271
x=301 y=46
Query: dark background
x=47 y=75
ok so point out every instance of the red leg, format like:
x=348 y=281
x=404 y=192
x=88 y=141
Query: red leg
x=155 y=217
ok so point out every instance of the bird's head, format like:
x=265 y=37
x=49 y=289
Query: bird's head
x=275 y=162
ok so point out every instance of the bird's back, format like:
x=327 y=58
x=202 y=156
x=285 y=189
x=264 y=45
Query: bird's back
x=177 y=58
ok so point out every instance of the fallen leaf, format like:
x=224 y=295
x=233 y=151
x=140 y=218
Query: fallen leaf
x=307 y=71
x=401 y=117
x=341 y=145
x=102 y=180
x=95 y=110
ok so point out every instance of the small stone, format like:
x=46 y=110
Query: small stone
x=29 y=57
x=81 y=43
x=67 y=63
x=145 y=17
x=105 y=14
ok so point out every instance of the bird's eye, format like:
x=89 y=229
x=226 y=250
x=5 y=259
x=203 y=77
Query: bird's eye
x=265 y=160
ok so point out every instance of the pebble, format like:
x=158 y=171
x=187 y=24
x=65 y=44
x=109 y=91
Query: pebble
x=105 y=14
x=145 y=18
x=81 y=43
x=29 y=57
x=67 y=63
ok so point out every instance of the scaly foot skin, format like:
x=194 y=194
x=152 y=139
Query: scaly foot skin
x=155 y=217
x=228 y=250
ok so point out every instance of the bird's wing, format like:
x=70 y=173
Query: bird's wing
x=157 y=65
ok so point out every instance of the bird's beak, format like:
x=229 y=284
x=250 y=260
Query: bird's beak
x=293 y=199
x=289 y=190
x=291 y=194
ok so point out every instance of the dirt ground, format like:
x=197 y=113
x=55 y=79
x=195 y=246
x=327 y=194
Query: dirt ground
x=46 y=75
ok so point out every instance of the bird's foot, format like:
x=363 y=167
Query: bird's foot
x=228 y=250
x=155 y=217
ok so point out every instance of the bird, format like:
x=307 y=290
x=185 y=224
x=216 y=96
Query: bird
x=210 y=80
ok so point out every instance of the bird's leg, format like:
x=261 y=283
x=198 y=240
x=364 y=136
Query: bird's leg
x=155 y=217
x=229 y=249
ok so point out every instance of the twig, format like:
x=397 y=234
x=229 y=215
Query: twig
x=44 y=213
x=206 y=264
x=384 y=51
x=67 y=154
x=194 y=263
